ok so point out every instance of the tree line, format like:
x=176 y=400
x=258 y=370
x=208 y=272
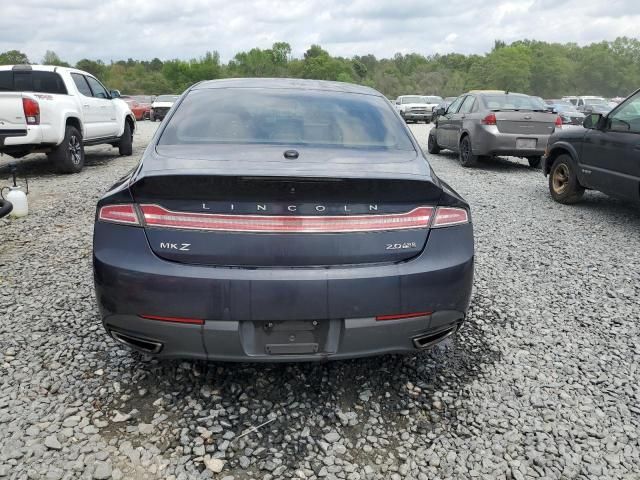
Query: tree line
x=608 y=68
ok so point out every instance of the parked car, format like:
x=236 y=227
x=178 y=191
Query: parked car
x=58 y=111
x=140 y=110
x=443 y=104
x=567 y=112
x=416 y=108
x=492 y=122
x=589 y=104
x=161 y=105
x=604 y=156
x=282 y=220
x=571 y=99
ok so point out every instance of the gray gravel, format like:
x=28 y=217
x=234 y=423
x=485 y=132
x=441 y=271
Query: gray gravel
x=543 y=382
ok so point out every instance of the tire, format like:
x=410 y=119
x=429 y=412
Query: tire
x=125 y=147
x=563 y=181
x=432 y=144
x=427 y=121
x=534 y=162
x=68 y=157
x=465 y=154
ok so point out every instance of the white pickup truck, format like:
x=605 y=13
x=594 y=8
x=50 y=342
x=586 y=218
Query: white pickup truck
x=58 y=111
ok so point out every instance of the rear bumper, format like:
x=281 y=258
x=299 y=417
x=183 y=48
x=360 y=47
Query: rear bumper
x=237 y=304
x=30 y=136
x=235 y=341
x=487 y=140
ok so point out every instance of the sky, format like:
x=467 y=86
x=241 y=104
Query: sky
x=144 y=29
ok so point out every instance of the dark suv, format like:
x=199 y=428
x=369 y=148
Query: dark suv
x=603 y=156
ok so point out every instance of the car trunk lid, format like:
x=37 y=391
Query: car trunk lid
x=525 y=122
x=211 y=212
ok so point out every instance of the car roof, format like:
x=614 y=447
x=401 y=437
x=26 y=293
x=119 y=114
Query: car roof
x=42 y=68
x=486 y=91
x=287 y=83
x=496 y=92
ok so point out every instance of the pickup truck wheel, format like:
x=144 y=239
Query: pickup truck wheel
x=563 y=181
x=534 y=162
x=432 y=143
x=466 y=156
x=68 y=157
x=125 y=147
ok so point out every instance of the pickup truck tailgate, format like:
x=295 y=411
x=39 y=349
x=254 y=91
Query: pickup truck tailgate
x=11 y=112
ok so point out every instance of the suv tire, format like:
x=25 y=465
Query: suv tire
x=432 y=143
x=563 y=181
x=465 y=154
x=68 y=157
x=125 y=147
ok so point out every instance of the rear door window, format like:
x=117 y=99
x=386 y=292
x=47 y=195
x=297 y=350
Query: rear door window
x=32 y=81
x=81 y=84
x=467 y=105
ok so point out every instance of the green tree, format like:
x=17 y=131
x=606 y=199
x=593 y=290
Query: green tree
x=52 y=58
x=13 y=57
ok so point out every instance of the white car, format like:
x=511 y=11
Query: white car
x=417 y=107
x=58 y=111
x=161 y=106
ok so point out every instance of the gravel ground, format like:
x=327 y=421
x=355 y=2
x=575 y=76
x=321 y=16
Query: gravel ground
x=543 y=381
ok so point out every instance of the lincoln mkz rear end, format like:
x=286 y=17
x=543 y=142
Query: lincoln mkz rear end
x=282 y=220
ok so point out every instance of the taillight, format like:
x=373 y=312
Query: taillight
x=490 y=119
x=448 y=216
x=31 y=111
x=558 y=121
x=157 y=216
x=125 y=214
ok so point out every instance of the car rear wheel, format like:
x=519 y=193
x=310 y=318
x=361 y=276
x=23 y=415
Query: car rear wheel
x=466 y=156
x=68 y=157
x=563 y=181
x=125 y=147
x=534 y=162
x=432 y=144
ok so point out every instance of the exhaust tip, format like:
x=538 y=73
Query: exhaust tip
x=137 y=343
x=425 y=341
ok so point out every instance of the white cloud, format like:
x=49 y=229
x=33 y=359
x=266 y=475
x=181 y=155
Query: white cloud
x=143 y=29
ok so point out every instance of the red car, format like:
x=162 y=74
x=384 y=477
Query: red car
x=140 y=110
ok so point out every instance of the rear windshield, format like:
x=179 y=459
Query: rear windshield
x=166 y=98
x=285 y=117
x=506 y=101
x=32 y=81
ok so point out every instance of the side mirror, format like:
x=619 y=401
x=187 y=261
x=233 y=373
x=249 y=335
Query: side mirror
x=441 y=111
x=115 y=93
x=397 y=102
x=592 y=121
